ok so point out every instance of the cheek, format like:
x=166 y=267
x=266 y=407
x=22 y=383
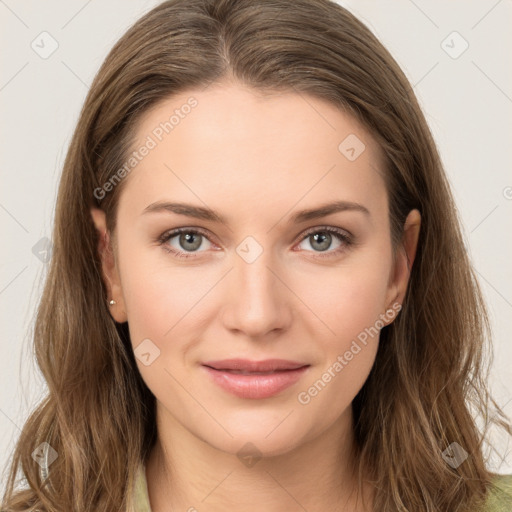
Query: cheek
x=349 y=302
x=160 y=309
x=165 y=303
x=347 y=299
x=150 y=299
x=349 y=306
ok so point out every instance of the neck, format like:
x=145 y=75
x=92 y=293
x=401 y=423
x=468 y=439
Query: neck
x=185 y=473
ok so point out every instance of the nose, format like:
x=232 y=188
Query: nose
x=257 y=300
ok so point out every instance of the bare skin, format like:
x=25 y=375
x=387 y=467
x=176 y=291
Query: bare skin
x=256 y=161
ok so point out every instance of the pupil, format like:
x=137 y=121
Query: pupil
x=189 y=238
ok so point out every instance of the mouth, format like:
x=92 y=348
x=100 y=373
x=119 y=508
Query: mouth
x=245 y=365
x=245 y=372
x=255 y=379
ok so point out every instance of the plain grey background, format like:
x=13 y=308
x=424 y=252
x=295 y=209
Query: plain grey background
x=456 y=54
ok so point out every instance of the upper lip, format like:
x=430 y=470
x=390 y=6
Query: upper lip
x=267 y=365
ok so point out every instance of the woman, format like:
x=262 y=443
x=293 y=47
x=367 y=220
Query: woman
x=259 y=295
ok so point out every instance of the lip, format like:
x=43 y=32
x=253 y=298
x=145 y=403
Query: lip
x=267 y=365
x=278 y=374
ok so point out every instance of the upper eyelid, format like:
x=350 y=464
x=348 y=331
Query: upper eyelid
x=314 y=229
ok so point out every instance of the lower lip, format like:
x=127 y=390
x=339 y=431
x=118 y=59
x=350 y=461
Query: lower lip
x=255 y=386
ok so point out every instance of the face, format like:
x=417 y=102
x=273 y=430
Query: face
x=266 y=278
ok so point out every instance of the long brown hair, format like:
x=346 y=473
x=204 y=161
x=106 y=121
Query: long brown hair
x=429 y=381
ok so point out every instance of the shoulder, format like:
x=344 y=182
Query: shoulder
x=141 y=496
x=500 y=494
x=498 y=500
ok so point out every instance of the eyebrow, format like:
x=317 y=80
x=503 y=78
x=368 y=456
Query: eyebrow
x=203 y=213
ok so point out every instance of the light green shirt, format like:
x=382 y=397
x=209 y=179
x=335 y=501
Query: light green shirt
x=141 y=491
x=500 y=498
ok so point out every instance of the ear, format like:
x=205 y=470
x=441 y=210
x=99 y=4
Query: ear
x=402 y=266
x=109 y=268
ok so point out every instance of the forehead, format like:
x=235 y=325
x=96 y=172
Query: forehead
x=231 y=144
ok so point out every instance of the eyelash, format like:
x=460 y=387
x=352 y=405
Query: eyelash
x=342 y=236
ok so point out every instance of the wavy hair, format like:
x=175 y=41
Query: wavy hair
x=428 y=386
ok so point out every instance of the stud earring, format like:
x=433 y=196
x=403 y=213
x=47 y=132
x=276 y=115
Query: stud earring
x=112 y=302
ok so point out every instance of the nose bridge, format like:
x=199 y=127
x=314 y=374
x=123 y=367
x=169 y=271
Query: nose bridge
x=254 y=277
x=256 y=302
x=254 y=281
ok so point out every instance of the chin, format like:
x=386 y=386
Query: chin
x=253 y=439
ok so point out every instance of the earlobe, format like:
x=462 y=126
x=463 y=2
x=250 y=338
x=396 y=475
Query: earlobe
x=109 y=269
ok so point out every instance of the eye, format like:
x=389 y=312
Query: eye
x=321 y=240
x=189 y=239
